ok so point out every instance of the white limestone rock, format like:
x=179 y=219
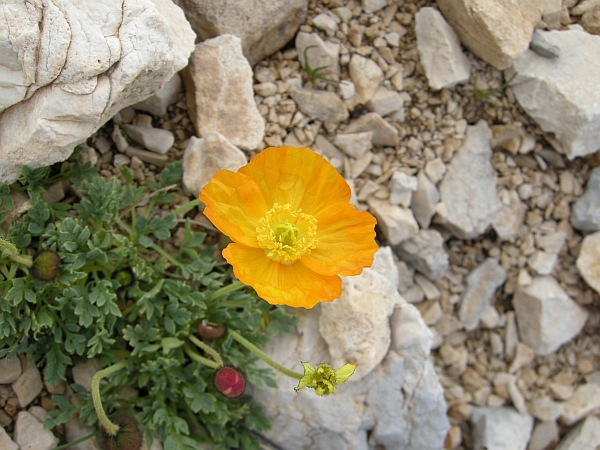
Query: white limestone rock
x=399 y=403
x=498 y=31
x=500 y=428
x=263 y=26
x=366 y=76
x=356 y=325
x=166 y=96
x=320 y=105
x=546 y=316
x=31 y=434
x=439 y=50
x=220 y=94
x=204 y=157
x=585 y=435
x=83 y=372
x=371 y=6
x=560 y=94
x=482 y=283
x=29 y=385
x=425 y=252
x=468 y=189
x=424 y=200
x=68 y=70
x=509 y=217
x=326 y=22
x=329 y=151
x=323 y=54
x=401 y=188
x=354 y=144
x=584 y=402
x=10 y=370
x=6 y=443
x=386 y=101
x=396 y=222
x=588 y=261
x=585 y=212
x=154 y=139
x=383 y=133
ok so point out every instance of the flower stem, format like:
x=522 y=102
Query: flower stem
x=196 y=357
x=235 y=286
x=110 y=427
x=78 y=441
x=9 y=249
x=186 y=207
x=207 y=348
x=168 y=257
x=262 y=355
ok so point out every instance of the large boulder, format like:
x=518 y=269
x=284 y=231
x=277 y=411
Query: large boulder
x=264 y=26
x=497 y=31
x=397 y=403
x=561 y=94
x=68 y=67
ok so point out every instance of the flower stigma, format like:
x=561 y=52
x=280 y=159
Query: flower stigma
x=285 y=234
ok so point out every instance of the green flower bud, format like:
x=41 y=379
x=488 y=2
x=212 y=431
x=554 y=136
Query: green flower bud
x=128 y=436
x=45 y=265
x=323 y=379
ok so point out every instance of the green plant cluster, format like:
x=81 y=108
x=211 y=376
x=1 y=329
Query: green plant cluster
x=122 y=295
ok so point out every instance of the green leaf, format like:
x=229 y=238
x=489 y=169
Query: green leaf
x=169 y=343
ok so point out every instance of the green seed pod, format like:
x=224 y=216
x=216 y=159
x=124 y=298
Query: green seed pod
x=45 y=265
x=128 y=437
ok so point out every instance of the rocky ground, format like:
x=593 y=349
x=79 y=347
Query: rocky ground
x=479 y=208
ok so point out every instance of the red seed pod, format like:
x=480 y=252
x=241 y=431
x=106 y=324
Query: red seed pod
x=230 y=382
x=210 y=332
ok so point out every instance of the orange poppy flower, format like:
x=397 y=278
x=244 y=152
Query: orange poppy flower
x=292 y=227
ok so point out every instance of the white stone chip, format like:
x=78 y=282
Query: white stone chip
x=354 y=144
x=468 y=189
x=31 y=434
x=366 y=76
x=588 y=261
x=10 y=370
x=482 y=284
x=401 y=188
x=561 y=94
x=222 y=91
x=500 y=428
x=546 y=316
x=396 y=223
x=439 y=50
x=29 y=385
x=203 y=158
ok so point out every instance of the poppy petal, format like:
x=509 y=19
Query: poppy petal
x=281 y=284
x=297 y=176
x=346 y=241
x=234 y=204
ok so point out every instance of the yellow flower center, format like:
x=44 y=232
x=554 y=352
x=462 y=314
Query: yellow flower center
x=286 y=235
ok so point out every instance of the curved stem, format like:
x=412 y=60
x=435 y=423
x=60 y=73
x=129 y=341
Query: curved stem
x=207 y=348
x=110 y=427
x=235 y=286
x=187 y=206
x=262 y=355
x=78 y=441
x=163 y=253
x=196 y=357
